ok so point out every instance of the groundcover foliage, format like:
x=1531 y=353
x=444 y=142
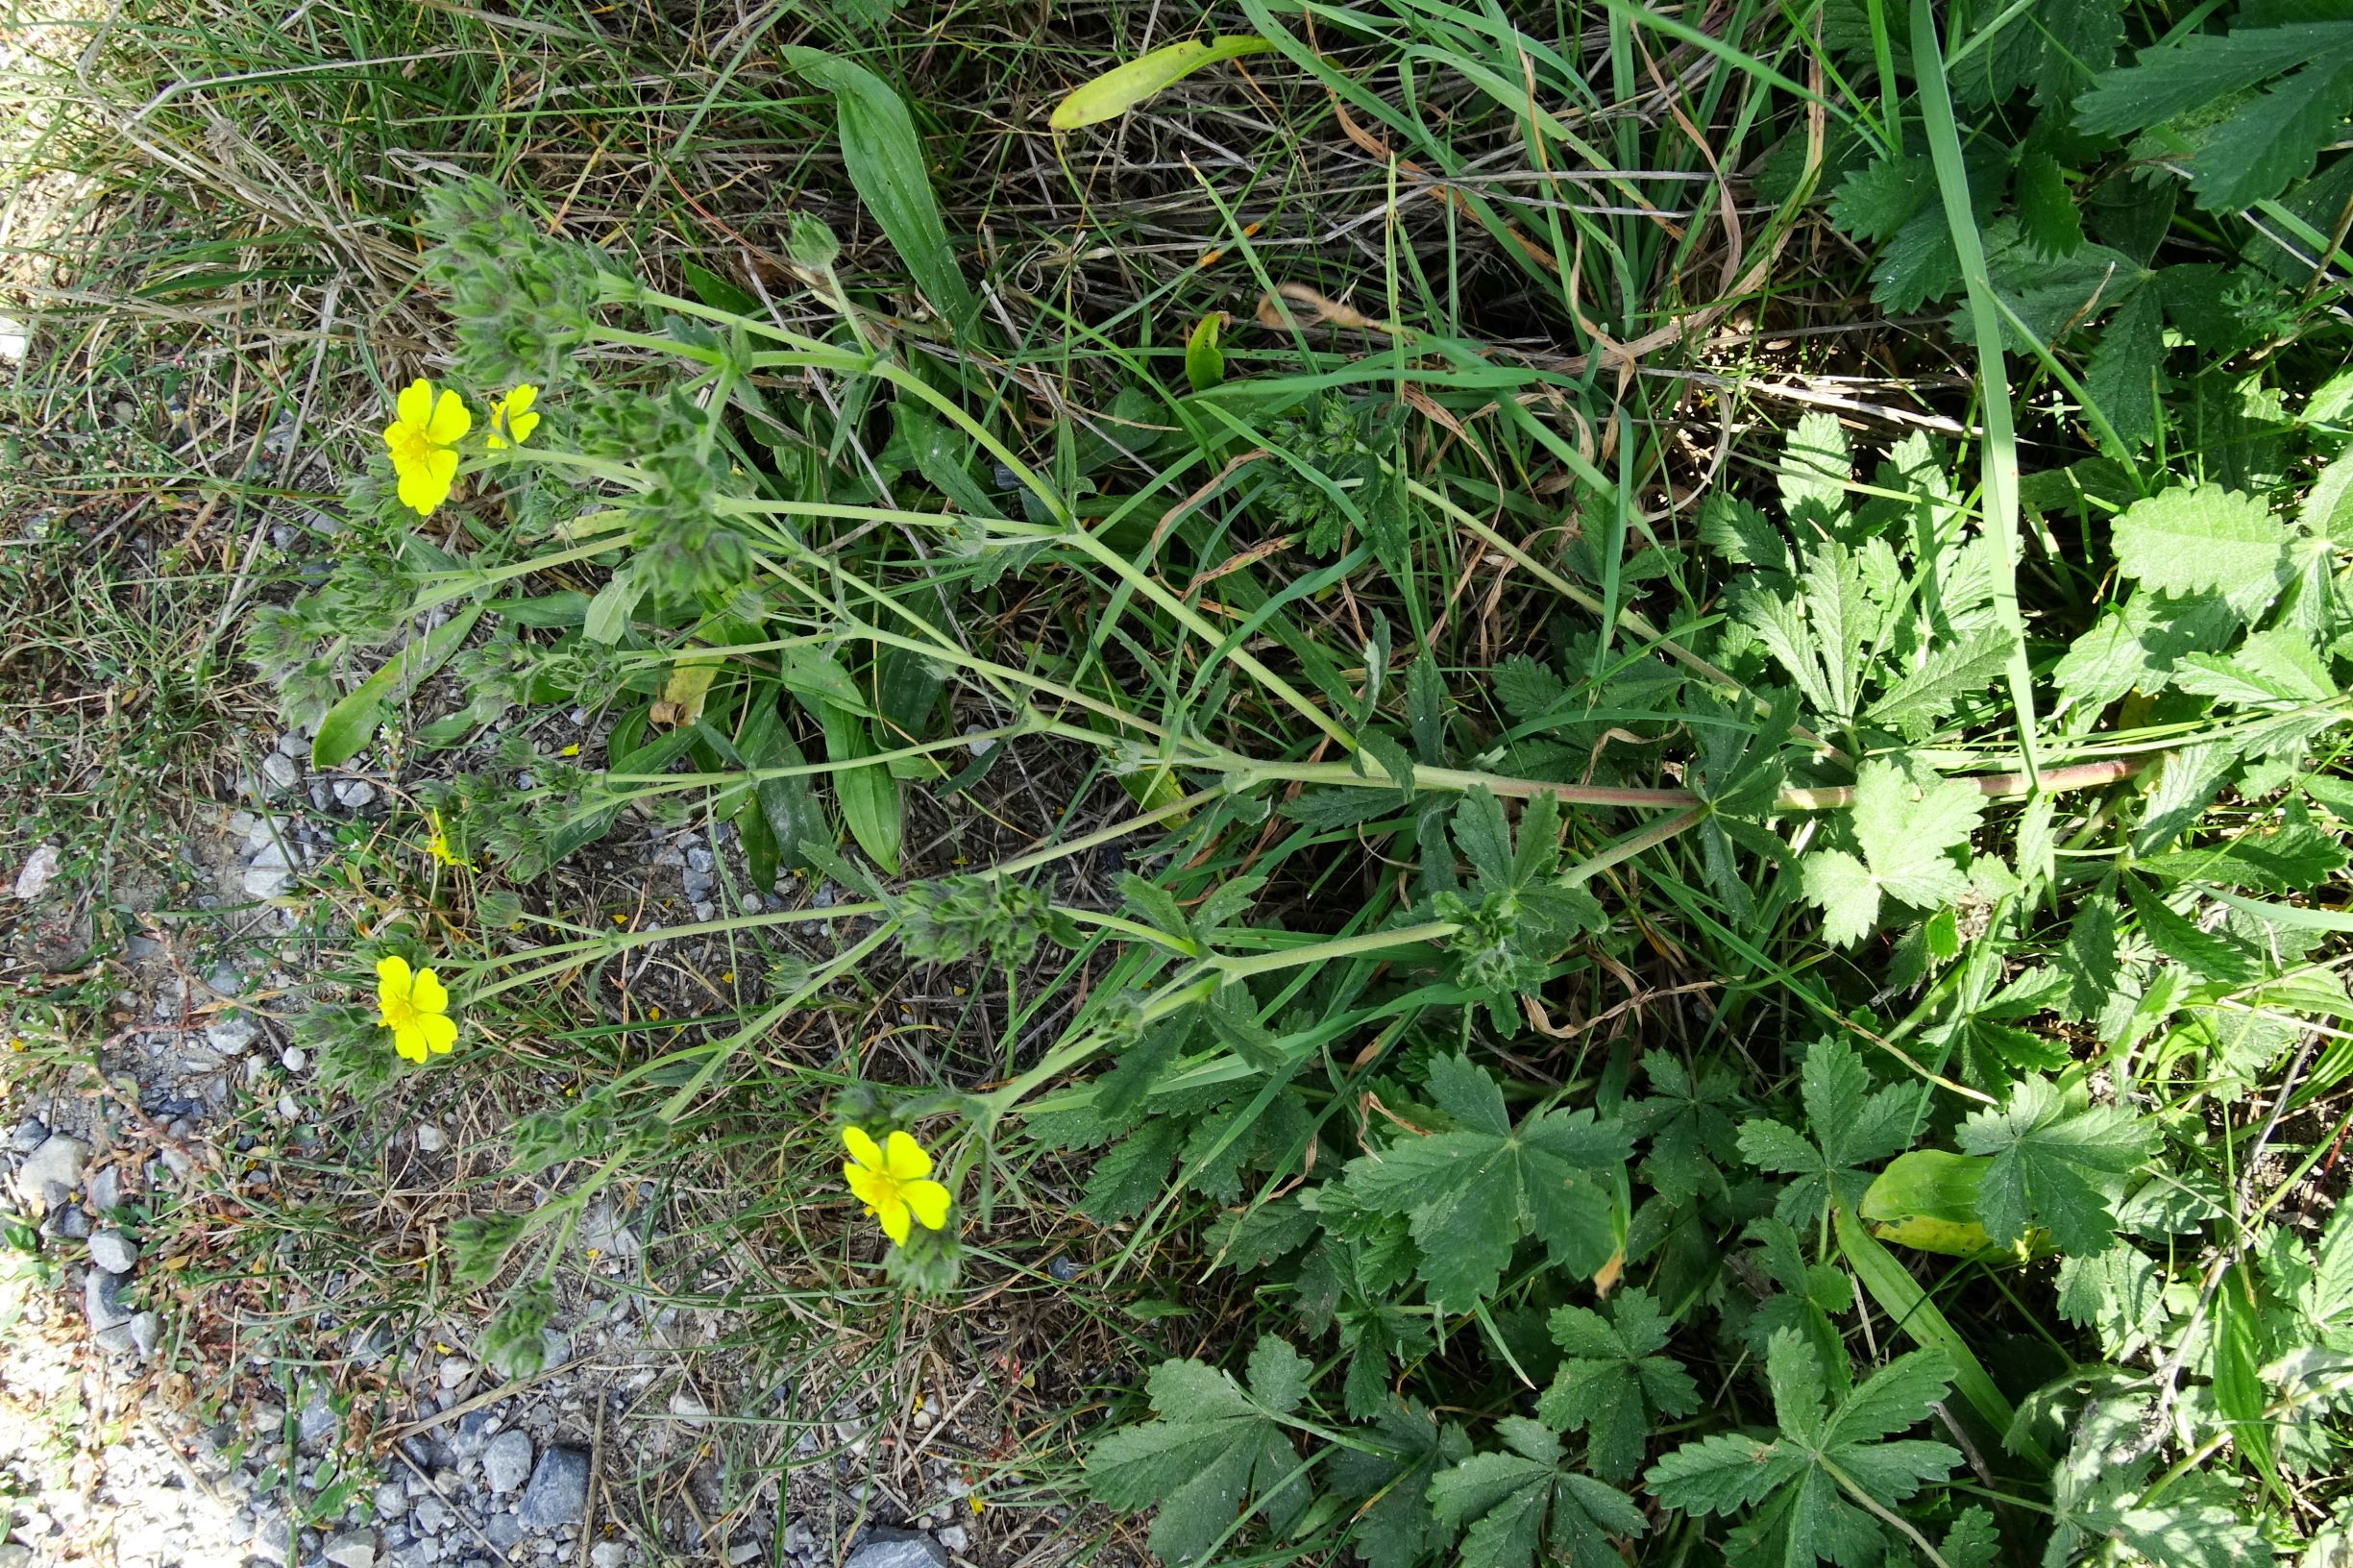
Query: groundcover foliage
x=1801 y=1026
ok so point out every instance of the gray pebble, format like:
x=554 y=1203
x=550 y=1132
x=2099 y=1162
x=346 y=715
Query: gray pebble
x=101 y=1300
x=146 y=1334
x=273 y=1537
x=115 y=1340
x=741 y=1552
x=114 y=1252
x=454 y=1370
x=954 y=1538
x=294 y=1058
x=506 y=1460
x=293 y=744
x=431 y=1514
x=267 y=881
x=30 y=1135
x=58 y=1159
x=352 y=1549
x=317 y=1419
x=232 y=1035
x=504 y=1529
x=72 y=1223
x=390 y=1500
x=608 y=1554
x=280 y=773
x=897 y=1549
x=558 y=1492
x=431 y=1138
x=355 y=793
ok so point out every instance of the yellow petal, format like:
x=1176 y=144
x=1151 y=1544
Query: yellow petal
x=442 y=464
x=929 y=1200
x=904 y=1157
x=867 y=1187
x=438 y=1031
x=420 y=493
x=428 y=994
x=862 y=1148
x=392 y=978
x=894 y=1216
x=415 y=406
x=410 y=1041
x=452 y=419
x=523 y=425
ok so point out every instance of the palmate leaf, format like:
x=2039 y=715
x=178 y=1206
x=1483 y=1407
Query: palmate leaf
x=1906 y=832
x=1471 y=1195
x=2057 y=1165
x=1793 y=1481
x=1687 y=1122
x=1613 y=1380
x=1849 y=1127
x=1522 y=1501
x=1214 y=1447
x=1394 y=1525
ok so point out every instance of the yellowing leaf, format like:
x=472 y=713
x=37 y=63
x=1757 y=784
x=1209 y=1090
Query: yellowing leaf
x=1123 y=88
x=1928 y=1200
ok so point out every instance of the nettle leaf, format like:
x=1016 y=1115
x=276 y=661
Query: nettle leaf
x=1213 y=1447
x=2136 y=647
x=1792 y=1483
x=1396 y=1528
x=2125 y=373
x=2203 y=539
x=1906 y=831
x=2057 y=1165
x=1521 y=1500
x=2097 y=1496
x=1877 y=198
x=1527 y=688
x=1816 y=466
x=2325 y=1298
x=1612 y=1380
x=1851 y=1127
x=1523 y=916
x=1472 y=1195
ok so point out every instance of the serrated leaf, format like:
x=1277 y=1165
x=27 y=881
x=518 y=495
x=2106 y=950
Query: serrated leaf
x=1949 y=671
x=2055 y=1166
x=1212 y=1448
x=1906 y=831
x=1816 y=466
x=1527 y=688
x=1471 y=1196
x=2202 y=539
x=2125 y=373
x=1612 y=1382
x=1795 y=1479
x=1849 y=1127
x=1880 y=197
x=1397 y=1527
x=1522 y=1502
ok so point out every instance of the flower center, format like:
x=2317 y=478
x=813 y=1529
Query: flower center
x=398 y=1011
x=887 y=1189
x=411 y=445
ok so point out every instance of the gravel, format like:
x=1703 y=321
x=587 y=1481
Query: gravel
x=897 y=1549
x=58 y=1158
x=114 y=1252
x=232 y=1036
x=558 y=1493
x=506 y=1460
x=352 y=1549
x=30 y=1135
x=101 y=1300
x=280 y=773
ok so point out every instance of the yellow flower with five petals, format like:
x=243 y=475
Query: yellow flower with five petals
x=512 y=419
x=891 y=1182
x=415 y=1006
x=424 y=443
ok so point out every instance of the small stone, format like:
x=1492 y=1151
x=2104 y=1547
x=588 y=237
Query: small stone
x=280 y=773
x=699 y=859
x=391 y=1502
x=114 y=1252
x=558 y=1492
x=72 y=1223
x=897 y=1549
x=741 y=1552
x=232 y=1035
x=431 y=1138
x=146 y=1334
x=273 y=1537
x=101 y=1300
x=688 y=1409
x=115 y=1340
x=317 y=1418
x=352 y=1549
x=30 y=1135
x=40 y=869
x=14 y=1554
x=267 y=881
x=58 y=1159
x=608 y=1554
x=355 y=793
x=508 y=1461
x=287 y=1109
x=293 y=744
x=431 y=1514
x=454 y=1370
x=954 y=1538
x=294 y=1058
x=1063 y=1269
x=505 y=1532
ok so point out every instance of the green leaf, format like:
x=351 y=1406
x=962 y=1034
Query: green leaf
x=1911 y=1308
x=2137 y=647
x=888 y=168
x=1906 y=831
x=1471 y=1196
x=2202 y=539
x=1205 y=362
x=2058 y=1166
x=1948 y=673
x=1397 y=1527
x=1612 y=1382
x=1213 y=1449
x=1815 y=469
x=868 y=794
x=1527 y=688
x=2125 y=374
x=1522 y=1502
x=1123 y=86
x=1880 y=197
x=1794 y=1481
x=1850 y=1126
x=352 y=723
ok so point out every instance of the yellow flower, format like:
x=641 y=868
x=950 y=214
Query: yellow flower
x=415 y=1006
x=423 y=441
x=890 y=1182
x=511 y=418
